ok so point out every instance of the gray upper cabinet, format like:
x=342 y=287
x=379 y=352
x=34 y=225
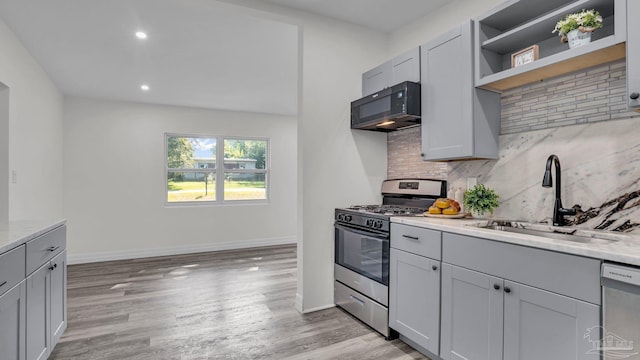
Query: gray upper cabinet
x=458 y=120
x=404 y=67
x=472 y=314
x=13 y=323
x=633 y=55
x=376 y=79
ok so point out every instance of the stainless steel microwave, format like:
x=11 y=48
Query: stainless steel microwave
x=388 y=110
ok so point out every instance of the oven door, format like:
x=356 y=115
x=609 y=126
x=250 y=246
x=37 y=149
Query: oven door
x=364 y=252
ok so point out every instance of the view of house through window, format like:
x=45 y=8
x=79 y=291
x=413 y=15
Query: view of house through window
x=192 y=174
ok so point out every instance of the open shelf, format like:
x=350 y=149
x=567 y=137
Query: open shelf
x=516 y=25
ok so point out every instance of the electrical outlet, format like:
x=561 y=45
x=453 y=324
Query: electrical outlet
x=471 y=182
x=14 y=177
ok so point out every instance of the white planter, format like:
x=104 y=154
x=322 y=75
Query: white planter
x=578 y=38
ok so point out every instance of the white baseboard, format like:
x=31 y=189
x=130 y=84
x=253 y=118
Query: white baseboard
x=299 y=303
x=323 y=307
x=178 y=250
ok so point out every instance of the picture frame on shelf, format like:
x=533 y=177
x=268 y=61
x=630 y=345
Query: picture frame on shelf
x=525 y=56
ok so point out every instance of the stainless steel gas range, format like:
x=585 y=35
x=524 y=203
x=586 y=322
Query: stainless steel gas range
x=361 y=267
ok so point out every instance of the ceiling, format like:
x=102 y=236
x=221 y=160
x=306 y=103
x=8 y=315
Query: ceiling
x=382 y=15
x=198 y=53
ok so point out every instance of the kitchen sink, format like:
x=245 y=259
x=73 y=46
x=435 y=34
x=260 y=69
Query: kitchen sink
x=552 y=232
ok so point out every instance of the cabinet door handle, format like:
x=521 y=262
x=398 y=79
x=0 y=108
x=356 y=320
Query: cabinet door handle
x=434 y=267
x=53 y=248
x=361 y=302
x=3 y=284
x=51 y=268
x=507 y=289
x=634 y=96
x=496 y=286
x=411 y=237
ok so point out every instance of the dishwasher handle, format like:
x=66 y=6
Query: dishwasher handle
x=623 y=274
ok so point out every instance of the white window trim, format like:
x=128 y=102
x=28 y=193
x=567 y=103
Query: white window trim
x=219 y=172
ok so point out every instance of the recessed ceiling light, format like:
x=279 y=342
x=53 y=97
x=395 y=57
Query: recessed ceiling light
x=144 y=87
x=141 y=35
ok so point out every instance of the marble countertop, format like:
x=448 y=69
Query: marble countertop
x=16 y=233
x=625 y=248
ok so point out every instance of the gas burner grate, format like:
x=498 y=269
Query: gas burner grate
x=388 y=209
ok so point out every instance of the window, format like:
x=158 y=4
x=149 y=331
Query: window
x=193 y=177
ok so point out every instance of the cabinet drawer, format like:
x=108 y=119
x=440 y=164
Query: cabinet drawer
x=565 y=274
x=416 y=240
x=11 y=268
x=45 y=247
x=372 y=313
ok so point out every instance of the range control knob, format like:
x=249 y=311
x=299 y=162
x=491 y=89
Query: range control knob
x=378 y=224
x=347 y=218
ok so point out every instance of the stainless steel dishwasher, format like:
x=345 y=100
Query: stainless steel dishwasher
x=620 y=337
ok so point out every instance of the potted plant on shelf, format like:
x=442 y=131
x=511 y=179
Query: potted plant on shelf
x=480 y=199
x=577 y=28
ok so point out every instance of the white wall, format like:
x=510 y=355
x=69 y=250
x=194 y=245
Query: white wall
x=341 y=167
x=338 y=166
x=115 y=190
x=35 y=133
x=441 y=20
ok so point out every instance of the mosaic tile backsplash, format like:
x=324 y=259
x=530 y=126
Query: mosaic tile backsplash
x=582 y=118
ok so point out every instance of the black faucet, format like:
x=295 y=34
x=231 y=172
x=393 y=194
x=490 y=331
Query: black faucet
x=558 y=211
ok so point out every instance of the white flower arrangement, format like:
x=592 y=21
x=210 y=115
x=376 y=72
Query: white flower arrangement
x=585 y=21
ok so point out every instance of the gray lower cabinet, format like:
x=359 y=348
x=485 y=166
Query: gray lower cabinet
x=506 y=301
x=486 y=317
x=414 y=298
x=13 y=323
x=542 y=325
x=414 y=285
x=458 y=120
x=38 y=313
x=46 y=307
x=58 y=296
x=33 y=297
x=472 y=315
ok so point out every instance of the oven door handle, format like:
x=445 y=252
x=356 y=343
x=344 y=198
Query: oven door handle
x=363 y=233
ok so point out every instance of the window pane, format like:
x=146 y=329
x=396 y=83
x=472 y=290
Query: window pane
x=191 y=152
x=191 y=186
x=244 y=186
x=245 y=154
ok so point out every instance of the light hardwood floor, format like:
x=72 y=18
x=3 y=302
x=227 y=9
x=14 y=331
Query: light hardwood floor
x=221 y=305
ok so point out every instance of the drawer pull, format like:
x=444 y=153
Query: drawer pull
x=361 y=302
x=411 y=237
x=3 y=284
x=53 y=248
